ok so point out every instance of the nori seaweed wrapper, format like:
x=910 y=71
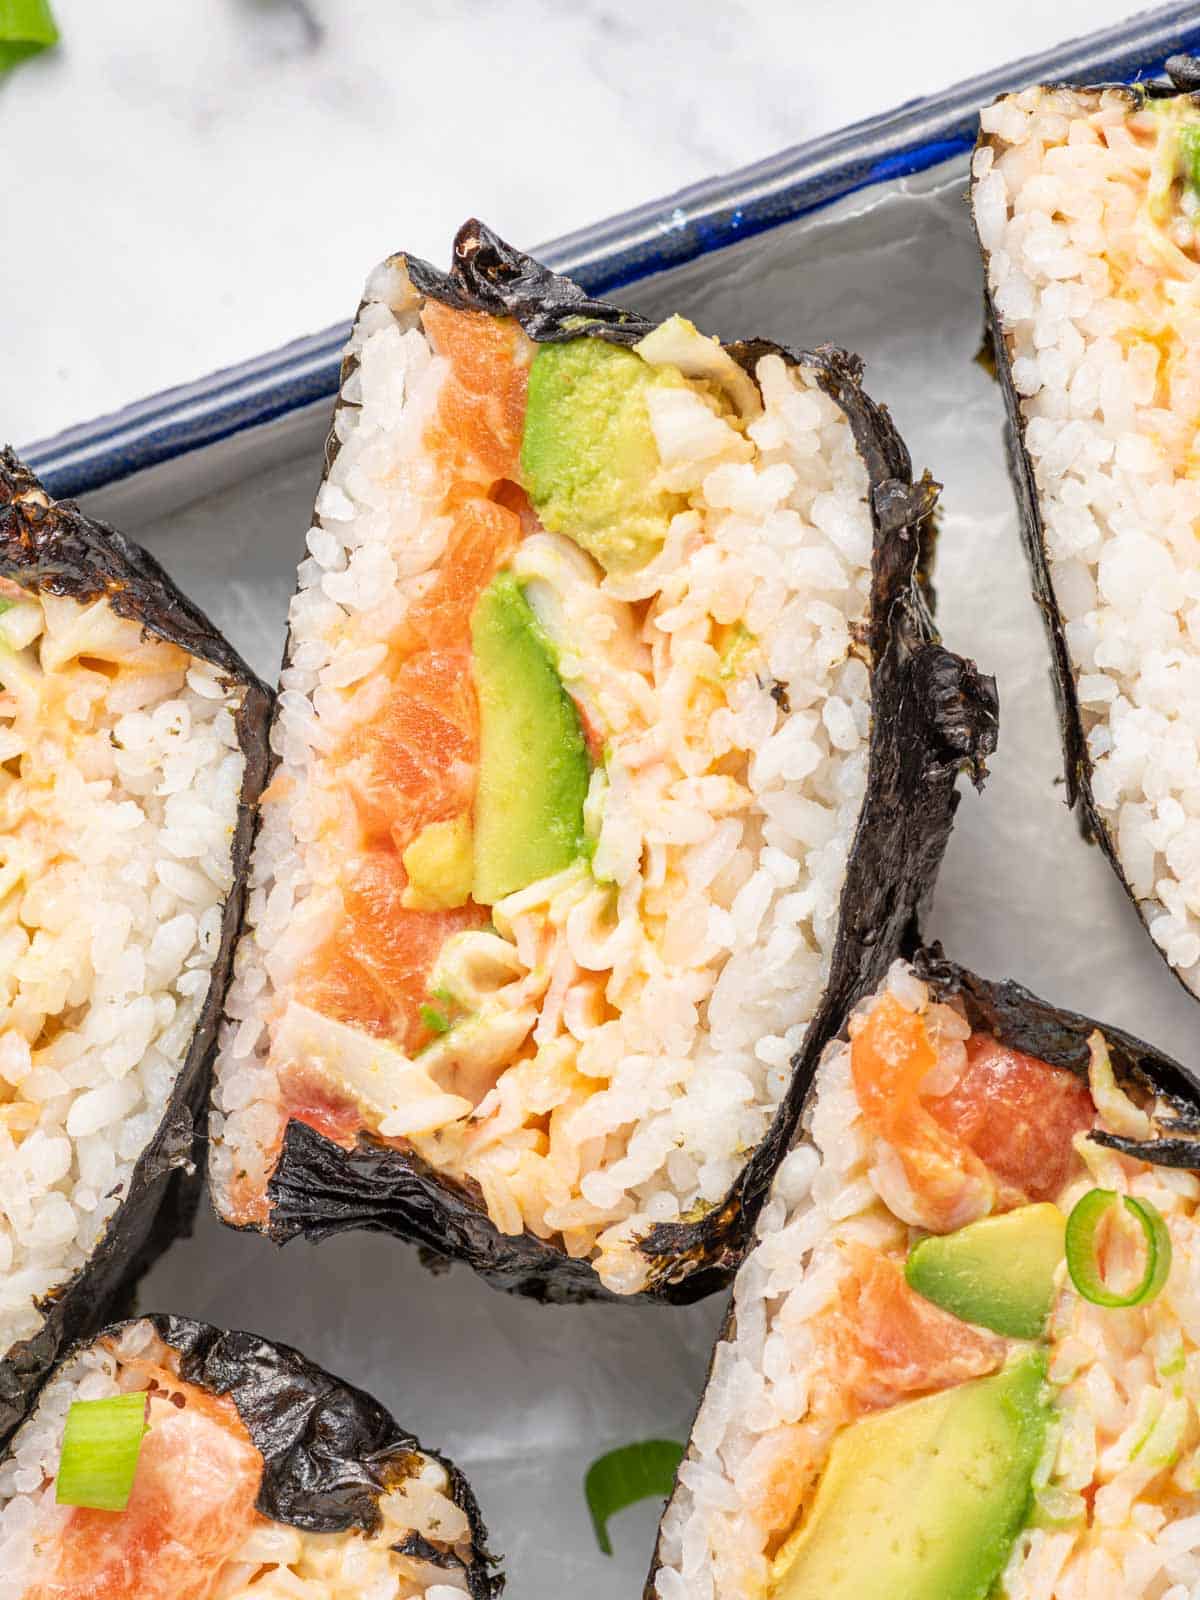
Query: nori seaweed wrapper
x=52 y=547
x=1077 y=762
x=1020 y=1019
x=329 y=1450
x=934 y=716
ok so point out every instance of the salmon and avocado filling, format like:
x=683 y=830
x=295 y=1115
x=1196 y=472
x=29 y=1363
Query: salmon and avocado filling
x=573 y=743
x=1087 y=207
x=135 y=1481
x=965 y=1360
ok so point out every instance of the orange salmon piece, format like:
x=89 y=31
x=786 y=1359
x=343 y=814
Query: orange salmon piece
x=1019 y=1115
x=192 y=1505
x=480 y=415
x=890 y=1057
x=415 y=762
x=888 y=1341
x=483 y=537
x=374 y=971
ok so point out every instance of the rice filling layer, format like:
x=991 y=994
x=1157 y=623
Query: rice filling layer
x=120 y=773
x=598 y=1035
x=1087 y=205
x=919 y=1129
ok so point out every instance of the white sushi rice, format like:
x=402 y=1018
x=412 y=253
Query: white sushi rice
x=276 y=1561
x=1126 y=1384
x=119 y=787
x=1102 y=326
x=683 y=1084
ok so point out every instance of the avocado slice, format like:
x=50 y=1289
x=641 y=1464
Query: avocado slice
x=589 y=461
x=924 y=1501
x=999 y=1272
x=533 y=763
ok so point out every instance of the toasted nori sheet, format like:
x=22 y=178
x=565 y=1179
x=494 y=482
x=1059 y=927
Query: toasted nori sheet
x=329 y=1450
x=933 y=716
x=1017 y=1017
x=53 y=547
x=1077 y=763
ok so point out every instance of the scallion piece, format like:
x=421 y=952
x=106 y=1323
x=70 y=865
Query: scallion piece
x=26 y=26
x=624 y=1476
x=101 y=1445
x=435 y=1019
x=1083 y=1258
x=1189 y=154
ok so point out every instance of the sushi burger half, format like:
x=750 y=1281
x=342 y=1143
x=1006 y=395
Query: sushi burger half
x=963 y=1357
x=132 y=749
x=615 y=752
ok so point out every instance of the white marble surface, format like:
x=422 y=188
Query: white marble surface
x=201 y=180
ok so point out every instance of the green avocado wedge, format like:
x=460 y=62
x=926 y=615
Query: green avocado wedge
x=925 y=1500
x=533 y=762
x=589 y=461
x=999 y=1273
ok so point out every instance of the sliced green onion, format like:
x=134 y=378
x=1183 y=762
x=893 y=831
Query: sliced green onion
x=26 y=26
x=1189 y=153
x=101 y=1445
x=435 y=1019
x=624 y=1476
x=1083 y=1260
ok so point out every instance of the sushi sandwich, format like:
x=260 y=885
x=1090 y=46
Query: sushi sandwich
x=170 y=1459
x=963 y=1355
x=1087 y=206
x=616 y=752
x=132 y=748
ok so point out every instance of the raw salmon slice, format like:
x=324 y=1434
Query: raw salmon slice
x=373 y=973
x=887 y=1342
x=192 y=1505
x=1019 y=1115
x=890 y=1057
x=480 y=417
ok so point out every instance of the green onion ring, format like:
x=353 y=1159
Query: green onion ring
x=1083 y=1225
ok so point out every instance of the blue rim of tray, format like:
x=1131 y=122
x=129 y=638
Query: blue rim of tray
x=666 y=233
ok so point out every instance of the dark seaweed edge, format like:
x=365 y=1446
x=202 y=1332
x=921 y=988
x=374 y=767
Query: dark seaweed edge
x=329 y=1450
x=52 y=546
x=933 y=716
x=1021 y=1019
x=1077 y=763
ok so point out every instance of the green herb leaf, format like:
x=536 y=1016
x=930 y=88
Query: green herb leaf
x=26 y=26
x=623 y=1477
x=1083 y=1254
x=436 y=1021
x=101 y=1445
